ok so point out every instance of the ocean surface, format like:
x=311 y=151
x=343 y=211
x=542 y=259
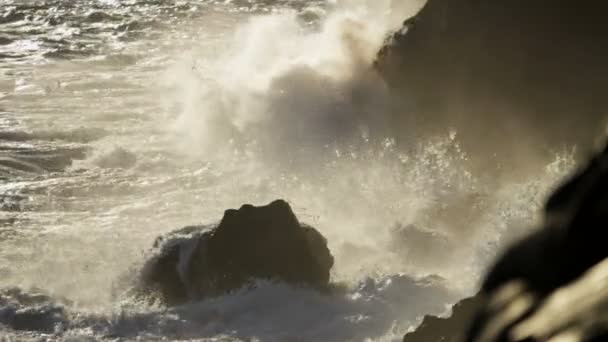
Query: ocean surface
x=121 y=120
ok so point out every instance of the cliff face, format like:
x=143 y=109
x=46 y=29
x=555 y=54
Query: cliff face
x=533 y=70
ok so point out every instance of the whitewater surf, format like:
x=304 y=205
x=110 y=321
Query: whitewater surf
x=121 y=121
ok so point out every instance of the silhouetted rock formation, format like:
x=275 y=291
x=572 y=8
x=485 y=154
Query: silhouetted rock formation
x=542 y=287
x=510 y=76
x=576 y=312
x=553 y=284
x=450 y=329
x=250 y=243
x=572 y=240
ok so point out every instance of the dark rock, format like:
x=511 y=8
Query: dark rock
x=264 y=242
x=576 y=312
x=573 y=238
x=555 y=281
x=517 y=79
x=509 y=74
x=450 y=329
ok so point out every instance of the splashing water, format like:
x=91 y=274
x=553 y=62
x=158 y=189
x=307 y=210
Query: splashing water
x=237 y=102
x=286 y=85
x=297 y=106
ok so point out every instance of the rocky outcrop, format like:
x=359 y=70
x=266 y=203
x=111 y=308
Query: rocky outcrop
x=449 y=329
x=266 y=242
x=506 y=75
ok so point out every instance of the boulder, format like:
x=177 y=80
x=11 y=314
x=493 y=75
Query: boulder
x=266 y=242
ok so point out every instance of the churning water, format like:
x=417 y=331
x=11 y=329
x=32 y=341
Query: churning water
x=121 y=120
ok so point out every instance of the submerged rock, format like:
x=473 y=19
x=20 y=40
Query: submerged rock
x=576 y=312
x=31 y=311
x=266 y=242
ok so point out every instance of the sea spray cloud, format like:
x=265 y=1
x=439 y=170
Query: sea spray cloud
x=282 y=81
x=295 y=113
x=301 y=112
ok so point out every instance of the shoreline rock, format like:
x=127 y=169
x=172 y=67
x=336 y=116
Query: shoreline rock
x=506 y=76
x=266 y=242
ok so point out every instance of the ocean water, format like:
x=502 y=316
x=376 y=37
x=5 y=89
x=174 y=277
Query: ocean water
x=121 y=120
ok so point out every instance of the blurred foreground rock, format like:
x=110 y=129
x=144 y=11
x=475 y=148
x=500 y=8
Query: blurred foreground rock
x=449 y=329
x=551 y=286
x=266 y=242
x=577 y=312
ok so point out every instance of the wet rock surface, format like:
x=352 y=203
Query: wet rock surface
x=266 y=242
